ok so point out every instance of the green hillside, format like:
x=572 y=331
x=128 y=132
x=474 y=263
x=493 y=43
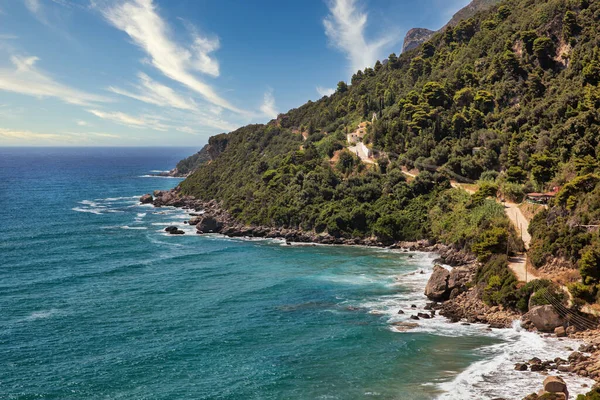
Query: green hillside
x=509 y=96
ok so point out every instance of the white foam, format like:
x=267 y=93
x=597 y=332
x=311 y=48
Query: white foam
x=41 y=314
x=495 y=376
x=119 y=198
x=159 y=177
x=96 y=211
x=133 y=227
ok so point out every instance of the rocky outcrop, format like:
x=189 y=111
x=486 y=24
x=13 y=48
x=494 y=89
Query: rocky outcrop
x=146 y=199
x=544 y=318
x=415 y=37
x=173 y=230
x=555 y=388
x=555 y=384
x=208 y=224
x=469 y=307
x=444 y=284
x=437 y=285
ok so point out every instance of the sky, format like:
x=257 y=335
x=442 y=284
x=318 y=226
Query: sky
x=175 y=72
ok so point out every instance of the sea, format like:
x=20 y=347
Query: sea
x=98 y=302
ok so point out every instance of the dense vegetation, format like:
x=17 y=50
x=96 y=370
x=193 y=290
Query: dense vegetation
x=509 y=96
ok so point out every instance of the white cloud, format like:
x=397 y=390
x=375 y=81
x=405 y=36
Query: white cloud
x=152 y=92
x=140 y=20
x=144 y=121
x=82 y=123
x=345 y=28
x=28 y=80
x=268 y=107
x=7 y=36
x=33 y=5
x=10 y=136
x=325 y=91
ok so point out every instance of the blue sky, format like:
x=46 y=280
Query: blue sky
x=158 y=72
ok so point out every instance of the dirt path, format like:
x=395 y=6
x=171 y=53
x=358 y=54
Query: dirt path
x=513 y=212
x=518 y=263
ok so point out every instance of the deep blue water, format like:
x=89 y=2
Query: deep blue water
x=97 y=302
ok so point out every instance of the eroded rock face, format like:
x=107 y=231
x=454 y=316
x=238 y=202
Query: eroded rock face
x=555 y=384
x=146 y=199
x=209 y=224
x=545 y=318
x=444 y=284
x=437 y=286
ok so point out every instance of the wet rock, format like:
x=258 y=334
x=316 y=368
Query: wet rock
x=400 y=312
x=405 y=326
x=544 y=318
x=437 y=285
x=555 y=384
x=146 y=199
x=423 y=315
x=586 y=348
x=537 y=367
x=559 y=331
x=521 y=367
x=414 y=317
x=571 y=330
x=413 y=306
x=177 y=232
x=171 y=229
x=576 y=356
x=209 y=224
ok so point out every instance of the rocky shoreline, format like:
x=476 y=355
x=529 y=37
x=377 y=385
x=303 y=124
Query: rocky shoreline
x=450 y=292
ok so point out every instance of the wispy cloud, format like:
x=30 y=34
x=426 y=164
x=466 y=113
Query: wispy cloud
x=8 y=36
x=345 y=27
x=141 y=21
x=9 y=136
x=325 y=91
x=82 y=123
x=268 y=107
x=144 y=121
x=152 y=92
x=26 y=79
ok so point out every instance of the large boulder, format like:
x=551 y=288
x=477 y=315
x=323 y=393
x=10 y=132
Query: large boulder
x=209 y=224
x=146 y=199
x=545 y=318
x=437 y=286
x=555 y=384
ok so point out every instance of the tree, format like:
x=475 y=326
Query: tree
x=342 y=87
x=528 y=37
x=435 y=94
x=570 y=26
x=484 y=101
x=544 y=50
x=589 y=266
x=464 y=97
x=428 y=50
x=591 y=72
x=542 y=167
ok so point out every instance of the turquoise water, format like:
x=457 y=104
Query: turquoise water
x=98 y=303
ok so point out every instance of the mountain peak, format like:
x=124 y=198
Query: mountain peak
x=416 y=36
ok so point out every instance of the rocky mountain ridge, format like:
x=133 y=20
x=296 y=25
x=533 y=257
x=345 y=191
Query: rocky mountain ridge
x=417 y=36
